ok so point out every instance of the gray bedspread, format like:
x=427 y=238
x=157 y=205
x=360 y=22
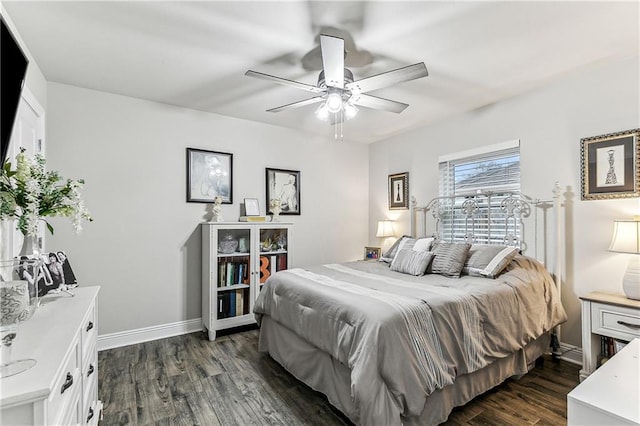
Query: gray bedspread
x=403 y=336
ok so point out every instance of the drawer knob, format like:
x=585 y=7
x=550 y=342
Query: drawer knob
x=67 y=383
x=628 y=324
x=91 y=370
x=90 y=325
x=90 y=416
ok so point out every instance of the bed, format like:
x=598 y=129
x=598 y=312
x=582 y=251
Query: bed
x=388 y=345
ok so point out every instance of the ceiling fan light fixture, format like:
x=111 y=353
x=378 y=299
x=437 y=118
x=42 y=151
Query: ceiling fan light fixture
x=334 y=102
x=350 y=110
x=323 y=112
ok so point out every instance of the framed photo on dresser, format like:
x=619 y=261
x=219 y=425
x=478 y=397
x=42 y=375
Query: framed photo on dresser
x=610 y=166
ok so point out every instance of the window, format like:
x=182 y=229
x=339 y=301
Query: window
x=481 y=180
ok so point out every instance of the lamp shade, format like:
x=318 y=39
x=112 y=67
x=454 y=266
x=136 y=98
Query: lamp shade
x=626 y=236
x=385 y=229
x=626 y=239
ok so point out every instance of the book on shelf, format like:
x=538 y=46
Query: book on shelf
x=255 y=218
x=233 y=303
x=609 y=347
x=223 y=305
x=233 y=272
x=239 y=302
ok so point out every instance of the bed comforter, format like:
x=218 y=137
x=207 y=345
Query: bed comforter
x=401 y=336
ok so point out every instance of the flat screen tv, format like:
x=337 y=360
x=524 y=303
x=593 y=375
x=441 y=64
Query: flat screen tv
x=13 y=69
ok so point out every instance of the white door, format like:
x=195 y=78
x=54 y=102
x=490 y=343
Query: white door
x=28 y=133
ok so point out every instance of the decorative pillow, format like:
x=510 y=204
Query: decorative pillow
x=449 y=258
x=488 y=260
x=412 y=262
x=391 y=253
x=423 y=244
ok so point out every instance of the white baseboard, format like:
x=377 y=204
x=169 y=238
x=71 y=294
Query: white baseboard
x=571 y=353
x=131 y=337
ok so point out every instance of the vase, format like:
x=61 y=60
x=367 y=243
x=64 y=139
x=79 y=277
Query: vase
x=18 y=302
x=30 y=246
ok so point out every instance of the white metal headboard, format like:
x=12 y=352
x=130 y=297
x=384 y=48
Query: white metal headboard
x=476 y=223
x=483 y=218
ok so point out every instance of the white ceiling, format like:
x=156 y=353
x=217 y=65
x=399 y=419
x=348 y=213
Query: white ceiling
x=194 y=54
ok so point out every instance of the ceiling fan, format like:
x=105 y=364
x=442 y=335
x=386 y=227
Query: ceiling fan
x=336 y=89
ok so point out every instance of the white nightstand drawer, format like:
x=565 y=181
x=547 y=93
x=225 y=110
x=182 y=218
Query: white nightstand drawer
x=615 y=321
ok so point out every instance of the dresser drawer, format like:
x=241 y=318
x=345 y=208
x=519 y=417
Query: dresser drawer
x=90 y=378
x=72 y=415
x=615 y=321
x=91 y=411
x=68 y=385
x=89 y=330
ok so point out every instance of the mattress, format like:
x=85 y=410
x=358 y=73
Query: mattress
x=380 y=344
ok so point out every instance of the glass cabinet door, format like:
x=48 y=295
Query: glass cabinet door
x=273 y=245
x=233 y=272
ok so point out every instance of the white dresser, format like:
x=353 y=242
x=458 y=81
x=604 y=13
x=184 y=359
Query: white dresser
x=62 y=388
x=611 y=394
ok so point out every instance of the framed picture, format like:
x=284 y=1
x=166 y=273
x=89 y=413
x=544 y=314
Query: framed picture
x=251 y=207
x=55 y=271
x=209 y=175
x=399 y=191
x=371 y=253
x=284 y=185
x=610 y=166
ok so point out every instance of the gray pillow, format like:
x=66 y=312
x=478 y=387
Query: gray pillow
x=412 y=262
x=391 y=253
x=449 y=258
x=488 y=260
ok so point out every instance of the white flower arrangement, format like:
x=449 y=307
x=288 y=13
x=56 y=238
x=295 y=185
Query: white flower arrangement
x=30 y=193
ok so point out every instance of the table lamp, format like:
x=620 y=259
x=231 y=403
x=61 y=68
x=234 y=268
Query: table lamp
x=385 y=229
x=626 y=239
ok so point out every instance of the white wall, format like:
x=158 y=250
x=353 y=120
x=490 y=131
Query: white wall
x=549 y=123
x=144 y=246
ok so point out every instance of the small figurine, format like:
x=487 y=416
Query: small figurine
x=217 y=209
x=275 y=208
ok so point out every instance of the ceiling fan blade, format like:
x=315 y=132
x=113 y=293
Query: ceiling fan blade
x=332 y=60
x=298 y=104
x=375 y=102
x=284 y=81
x=388 y=78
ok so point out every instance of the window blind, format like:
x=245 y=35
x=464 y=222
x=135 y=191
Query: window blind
x=494 y=171
x=497 y=172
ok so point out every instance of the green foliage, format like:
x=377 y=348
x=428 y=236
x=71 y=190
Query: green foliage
x=30 y=193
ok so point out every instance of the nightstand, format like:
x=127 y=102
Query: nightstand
x=605 y=314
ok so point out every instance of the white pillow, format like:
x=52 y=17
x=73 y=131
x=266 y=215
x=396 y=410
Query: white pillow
x=423 y=244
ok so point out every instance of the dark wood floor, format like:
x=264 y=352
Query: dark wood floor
x=189 y=380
